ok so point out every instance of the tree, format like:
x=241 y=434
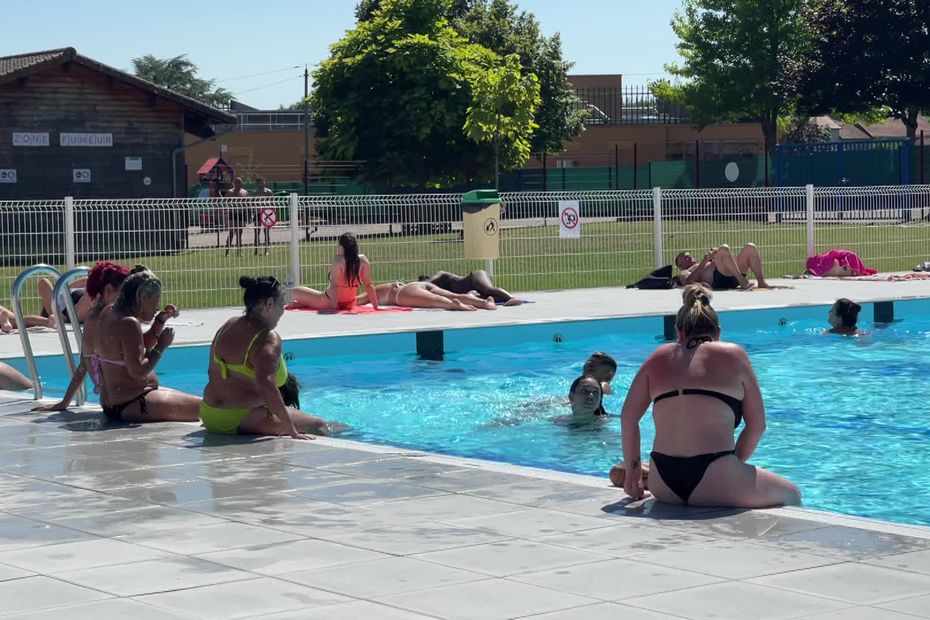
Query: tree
x=867 y=54
x=497 y=25
x=734 y=59
x=505 y=101
x=365 y=9
x=803 y=130
x=395 y=93
x=180 y=75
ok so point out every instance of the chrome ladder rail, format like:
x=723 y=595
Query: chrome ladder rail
x=61 y=285
x=40 y=269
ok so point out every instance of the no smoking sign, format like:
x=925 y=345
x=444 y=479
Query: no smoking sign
x=268 y=217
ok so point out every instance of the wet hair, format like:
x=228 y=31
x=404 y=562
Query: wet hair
x=103 y=274
x=290 y=391
x=349 y=245
x=848 y=311
x=140 y=283
x=599 y=358
x=696 y=316
x=571 y=391
x=260 y=289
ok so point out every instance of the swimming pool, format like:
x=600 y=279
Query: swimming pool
x=848 y=418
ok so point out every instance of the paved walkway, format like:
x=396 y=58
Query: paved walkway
x=163 y=521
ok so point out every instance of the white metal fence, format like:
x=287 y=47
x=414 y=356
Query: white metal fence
x=624 y=234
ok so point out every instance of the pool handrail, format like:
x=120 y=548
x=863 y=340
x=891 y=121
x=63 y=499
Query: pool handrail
x=38 y=269
x=57 y=299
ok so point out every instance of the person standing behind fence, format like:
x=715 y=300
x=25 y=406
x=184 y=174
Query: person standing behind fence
x=262 y=190
x=237 y=215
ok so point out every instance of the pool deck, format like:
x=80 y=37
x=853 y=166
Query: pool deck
x=163 y=521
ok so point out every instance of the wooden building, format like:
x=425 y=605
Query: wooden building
x=71 y=126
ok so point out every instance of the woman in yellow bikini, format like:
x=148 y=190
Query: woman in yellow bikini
x=247 y=368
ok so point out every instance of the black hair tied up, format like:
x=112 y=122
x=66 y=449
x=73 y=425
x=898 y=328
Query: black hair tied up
x=260 y=289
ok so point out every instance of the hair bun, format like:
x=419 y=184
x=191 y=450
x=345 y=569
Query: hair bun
x=138 y=268
x=247 y=281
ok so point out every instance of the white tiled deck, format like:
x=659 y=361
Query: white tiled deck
x=163 y=521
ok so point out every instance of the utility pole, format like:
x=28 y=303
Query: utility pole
x=306 y=130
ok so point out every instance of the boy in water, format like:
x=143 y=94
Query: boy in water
x=603 y=368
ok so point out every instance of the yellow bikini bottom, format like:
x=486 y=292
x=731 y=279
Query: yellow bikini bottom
x=224 y=420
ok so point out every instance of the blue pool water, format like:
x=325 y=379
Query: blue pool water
x=848 y=418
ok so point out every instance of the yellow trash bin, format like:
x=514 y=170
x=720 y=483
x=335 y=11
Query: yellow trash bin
x=481 y=220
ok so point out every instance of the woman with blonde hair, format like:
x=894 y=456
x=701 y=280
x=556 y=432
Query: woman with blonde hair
x=700 y=388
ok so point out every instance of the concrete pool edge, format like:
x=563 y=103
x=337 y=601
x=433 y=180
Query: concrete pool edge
x=10 y=400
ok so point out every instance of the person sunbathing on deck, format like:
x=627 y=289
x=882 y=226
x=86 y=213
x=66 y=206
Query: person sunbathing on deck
x=720 y=270
x=425 y=295
x=478 y=281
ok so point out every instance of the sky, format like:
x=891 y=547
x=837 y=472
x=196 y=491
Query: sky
x=257 y=50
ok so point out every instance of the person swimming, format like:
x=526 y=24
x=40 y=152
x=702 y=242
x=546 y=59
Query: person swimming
x=843 y=317
x=602 y=367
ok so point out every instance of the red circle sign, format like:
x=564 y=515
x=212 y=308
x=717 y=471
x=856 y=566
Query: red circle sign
x=569 y=217
x=268 y=217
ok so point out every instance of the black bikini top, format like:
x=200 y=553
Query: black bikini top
x=735 y=404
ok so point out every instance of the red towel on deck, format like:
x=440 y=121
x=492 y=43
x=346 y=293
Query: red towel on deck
x=366 y=309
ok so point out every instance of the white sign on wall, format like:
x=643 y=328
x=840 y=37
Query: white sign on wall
x=569 y=219
x=26 y=138
x=7 y=175
x=133 y=163
x=86 y=139
x=81 y=175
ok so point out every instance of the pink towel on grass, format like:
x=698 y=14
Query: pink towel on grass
x=366 y=309
x=838 y=263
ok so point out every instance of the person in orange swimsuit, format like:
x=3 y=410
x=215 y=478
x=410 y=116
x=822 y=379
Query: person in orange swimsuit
x=347 y=272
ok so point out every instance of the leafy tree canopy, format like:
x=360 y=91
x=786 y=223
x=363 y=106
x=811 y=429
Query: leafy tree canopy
x=180 y=75
x=734 y=59
x=867 y=55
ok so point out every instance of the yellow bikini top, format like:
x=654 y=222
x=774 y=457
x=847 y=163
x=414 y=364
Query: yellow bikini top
x=247 y=372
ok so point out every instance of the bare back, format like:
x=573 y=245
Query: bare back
x=230 y=345
x=340 y=288
x=119 y=341
x=694 y=423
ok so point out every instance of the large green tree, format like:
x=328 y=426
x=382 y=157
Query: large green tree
x=867 y=54
x=735 y=56
x=499 y=26
x=504 y=102
x=180 y=75
x=395 y=92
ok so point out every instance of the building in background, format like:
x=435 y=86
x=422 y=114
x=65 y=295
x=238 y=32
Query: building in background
x=72 y=126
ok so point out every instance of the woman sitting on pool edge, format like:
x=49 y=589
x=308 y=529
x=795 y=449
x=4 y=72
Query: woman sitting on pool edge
x=103 y=286
x=247 y=370
x=425 y=295
x=701 y=389
x=129 y=390
x=843 y=316
x=348 y=270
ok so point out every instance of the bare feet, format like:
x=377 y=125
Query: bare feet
x=513 y=301
x=457 y=305
x=489 y=304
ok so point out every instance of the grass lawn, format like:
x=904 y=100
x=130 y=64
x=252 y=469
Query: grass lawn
x=534 y=258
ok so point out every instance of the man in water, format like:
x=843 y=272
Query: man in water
x=720 y=270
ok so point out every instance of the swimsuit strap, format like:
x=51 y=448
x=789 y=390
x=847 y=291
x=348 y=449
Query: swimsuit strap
x=734 y=403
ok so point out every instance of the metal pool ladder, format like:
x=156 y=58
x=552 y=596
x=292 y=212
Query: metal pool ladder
x=61 y=283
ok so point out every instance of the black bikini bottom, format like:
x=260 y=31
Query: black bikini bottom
x=114 y=413
x=682 y=474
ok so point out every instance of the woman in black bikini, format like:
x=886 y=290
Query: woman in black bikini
x=129 y=390
x=701 y=388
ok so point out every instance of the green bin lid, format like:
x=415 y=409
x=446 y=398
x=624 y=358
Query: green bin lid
x=481 y=197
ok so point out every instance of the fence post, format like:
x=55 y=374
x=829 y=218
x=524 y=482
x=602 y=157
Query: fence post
x=293 y=276
x=810 y=221
x=69 y=233
x=657 y=223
